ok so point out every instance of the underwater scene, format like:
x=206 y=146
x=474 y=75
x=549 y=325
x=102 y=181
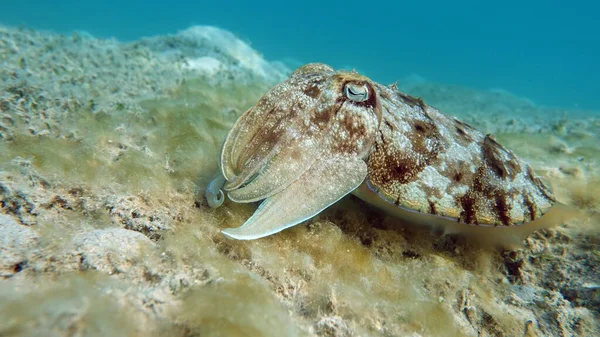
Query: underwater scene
x=299 y=169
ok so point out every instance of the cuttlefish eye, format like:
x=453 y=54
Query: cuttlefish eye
x=356 y=92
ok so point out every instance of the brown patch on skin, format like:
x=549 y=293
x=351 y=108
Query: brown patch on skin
x=356 y=130
x=355 y=136
x=462 y=132
x=313 y=91
x=397 y=201
x=545 y=190
x=459 y=173
x=393 y=168
x=502 y=208
x=530 y=174
x=388 y=165
x=295 y=154
x=492 y=153
x=405 y=171
x=540 y=184
x=347 y=147
x=432 y=209
x=265 y=139
x=513 y=166
x=483 y=195
x=463 y=125
x=323 y=117
x=470 y=201
x=389 y=125
x=469 y=206
x=377 y=142
x=425 y=131
x=479 y=183
x=412 y=101
x=270 y=137
x=531 y=207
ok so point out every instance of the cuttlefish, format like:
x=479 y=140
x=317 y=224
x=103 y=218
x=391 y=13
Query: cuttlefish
x=323 y=134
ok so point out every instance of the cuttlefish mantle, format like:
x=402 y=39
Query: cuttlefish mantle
x=323 y=134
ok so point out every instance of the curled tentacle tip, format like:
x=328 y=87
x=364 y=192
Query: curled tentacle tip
x=215 y=199
x=214 y=195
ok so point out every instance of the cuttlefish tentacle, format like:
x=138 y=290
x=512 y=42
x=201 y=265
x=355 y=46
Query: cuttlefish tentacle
x=284 y=155
x=304 y=198
x=258 y=133
x=279 y=141
x=214 y=193
x=276 y=175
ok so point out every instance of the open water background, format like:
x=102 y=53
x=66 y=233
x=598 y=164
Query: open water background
x=546 y=51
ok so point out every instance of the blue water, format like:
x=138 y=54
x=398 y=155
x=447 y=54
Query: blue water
x=544 y=50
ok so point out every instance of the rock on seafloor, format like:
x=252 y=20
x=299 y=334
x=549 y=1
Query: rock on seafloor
x=106 y=148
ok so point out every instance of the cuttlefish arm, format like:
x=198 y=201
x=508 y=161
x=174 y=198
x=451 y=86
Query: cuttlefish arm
x=275 y=142
x=214 y=193
x=319 y=187
x=301 y=148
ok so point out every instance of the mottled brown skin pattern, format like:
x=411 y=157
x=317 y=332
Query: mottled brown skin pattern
x=417 y=158
x=426 y=161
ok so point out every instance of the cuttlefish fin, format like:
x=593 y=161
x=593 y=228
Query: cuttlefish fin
x=326 y=182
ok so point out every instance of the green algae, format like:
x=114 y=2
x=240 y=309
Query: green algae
x=162 y=147
x=79 y=303
x=228 y=308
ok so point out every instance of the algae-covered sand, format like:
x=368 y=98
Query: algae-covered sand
x=106 y=149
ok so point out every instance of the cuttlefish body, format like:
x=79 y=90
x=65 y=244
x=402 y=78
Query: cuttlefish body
x=323 y=134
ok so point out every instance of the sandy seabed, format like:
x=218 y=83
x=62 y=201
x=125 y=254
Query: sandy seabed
x=106 y=149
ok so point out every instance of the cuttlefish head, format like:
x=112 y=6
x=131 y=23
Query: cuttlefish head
x=301 y=148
